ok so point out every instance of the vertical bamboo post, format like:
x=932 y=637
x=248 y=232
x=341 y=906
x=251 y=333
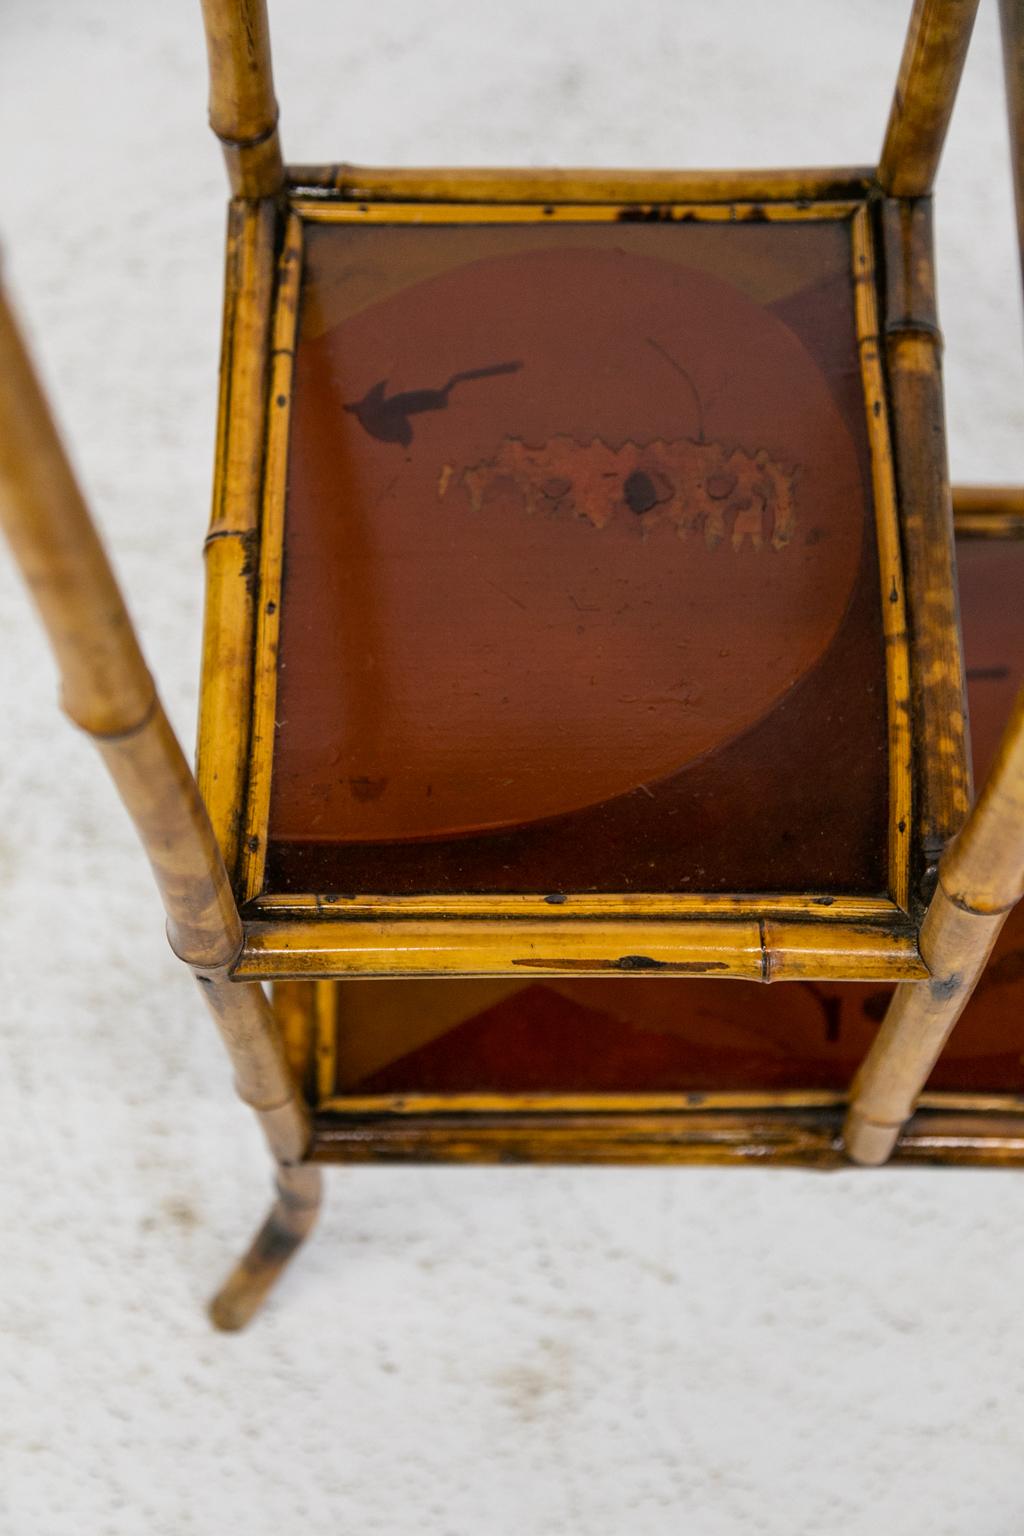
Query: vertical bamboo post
x=1011 y=15
x=981 y=878
x=232 y=540
x=981 y=874
x=243 y=108
x=107 y=692
x=933 y=60
x=913 y=350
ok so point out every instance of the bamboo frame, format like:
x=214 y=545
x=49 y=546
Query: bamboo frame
x=507 y=211
x=189 y=831
x=853 y=931
x=338 y=1018
x=988 y=511
x=936 y=46
x=981 y=873
x=545 y=185
x=1012 y=27
x=244 y=116
x=892 y=594
x=232 y=541
x=271 y=557
x=791 y=1127
x=243 y=109
x=107 y=691
x=296 y=1011
x=913 y=347
x=791 y=1136
x=866 y=910
x=751 y=950
x=697 y=1101
x=981 y=878
x=930 y=69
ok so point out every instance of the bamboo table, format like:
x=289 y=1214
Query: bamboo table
x=582 y=652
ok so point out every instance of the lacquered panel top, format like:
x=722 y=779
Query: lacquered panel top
x=580 y=577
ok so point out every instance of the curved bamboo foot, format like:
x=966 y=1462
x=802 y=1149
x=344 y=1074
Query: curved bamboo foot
x=289 y=1223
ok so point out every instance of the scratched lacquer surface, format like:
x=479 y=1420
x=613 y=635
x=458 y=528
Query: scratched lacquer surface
x=579 y=581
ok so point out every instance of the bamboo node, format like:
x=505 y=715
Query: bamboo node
x=253 y=141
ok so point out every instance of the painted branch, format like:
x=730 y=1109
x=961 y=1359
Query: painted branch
x=981 y=878
x=933 y=60
x=913 y=346
x=487 y=184
x=243 y=108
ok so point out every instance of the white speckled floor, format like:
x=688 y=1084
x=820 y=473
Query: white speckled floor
x=456 y=1352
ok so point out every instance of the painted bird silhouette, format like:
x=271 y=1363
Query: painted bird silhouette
x=387 y=416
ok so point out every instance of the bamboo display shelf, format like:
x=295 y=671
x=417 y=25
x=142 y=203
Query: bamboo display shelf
x=586 y=614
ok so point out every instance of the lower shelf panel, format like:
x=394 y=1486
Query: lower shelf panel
x=785 y=1136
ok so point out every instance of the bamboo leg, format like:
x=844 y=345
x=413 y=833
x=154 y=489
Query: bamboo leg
x=288 y=1224
x=930 y=70
x=264 y=1081
x=107 y=691
x=243 y=109
x=981 y=874
x=981 y=878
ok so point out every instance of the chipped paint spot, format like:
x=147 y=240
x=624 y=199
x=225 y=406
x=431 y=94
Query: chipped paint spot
x=726 y=495
x=364 y=788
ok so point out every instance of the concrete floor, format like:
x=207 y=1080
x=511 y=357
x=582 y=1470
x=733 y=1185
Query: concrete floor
x=457 y=1351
